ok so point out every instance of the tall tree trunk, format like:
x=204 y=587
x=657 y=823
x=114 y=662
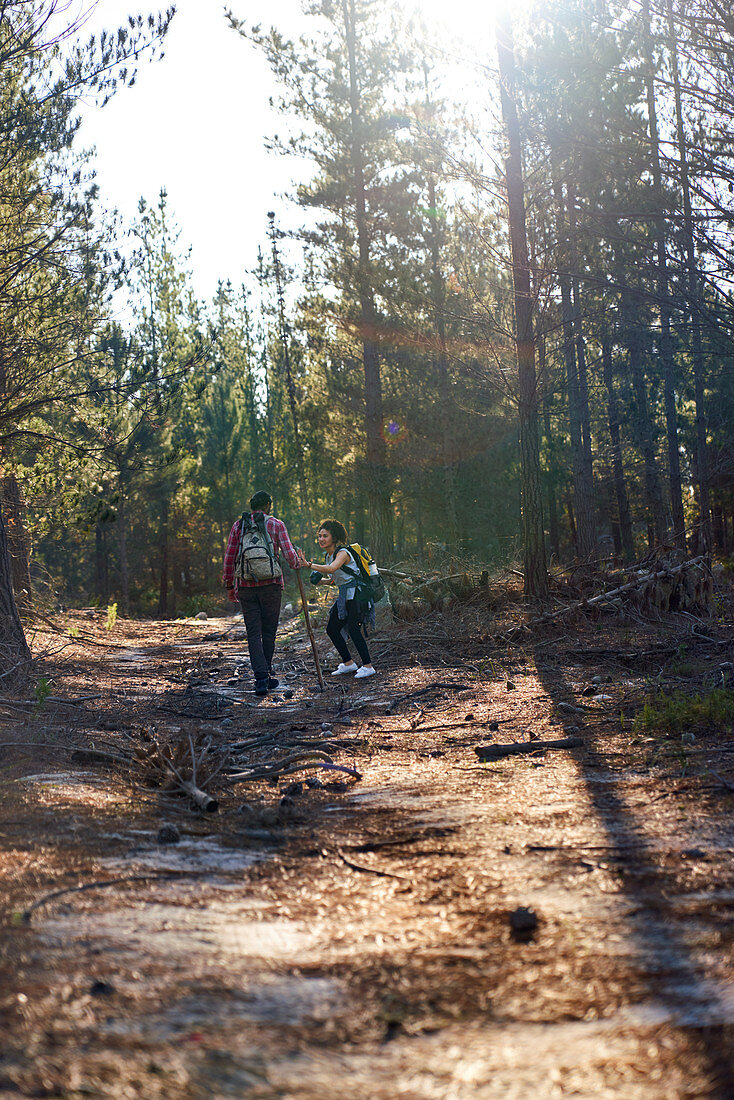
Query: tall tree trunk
x=534 y=563
x=553 y=530
x=359 y=515
x=718 y=523
x=269 y=419
x=663 y=294
x=290 y=384
x=653 y=493
x=612 y=511
x=122 y=548
x=583 y=488
x=163 y=550
x=694 y=294
x=419 y=543
x=174 y=559
x=587 y=523
x=620 y=487
x=571 y=524
x=14 y=651
x=19 y=543
x=438 y=295
x=101 y=566
x=378 y=481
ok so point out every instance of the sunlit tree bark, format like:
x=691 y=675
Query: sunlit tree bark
x=534 y=563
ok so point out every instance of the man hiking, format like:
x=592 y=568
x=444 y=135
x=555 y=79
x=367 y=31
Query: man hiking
x=252 y=575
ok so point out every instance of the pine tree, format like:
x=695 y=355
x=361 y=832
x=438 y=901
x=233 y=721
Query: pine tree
x=41 y=230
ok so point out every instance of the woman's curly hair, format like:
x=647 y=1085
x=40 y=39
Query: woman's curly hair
x=337 y=531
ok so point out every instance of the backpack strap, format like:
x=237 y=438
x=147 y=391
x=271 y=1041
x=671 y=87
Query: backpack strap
x=263 y=526
x=350 y=570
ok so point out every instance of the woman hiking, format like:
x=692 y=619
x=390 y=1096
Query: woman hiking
x=347 y=611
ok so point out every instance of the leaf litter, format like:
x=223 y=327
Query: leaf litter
x=356 y=934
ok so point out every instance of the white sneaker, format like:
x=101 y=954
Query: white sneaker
x=342 y=669
x=364 y=672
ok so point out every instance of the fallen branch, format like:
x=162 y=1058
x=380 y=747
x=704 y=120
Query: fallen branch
x=96 y=756
x=497 y=752
x=21 y=664
x=720 y=779
x=438 y=685
x=368 y=870
x=292 y=764
x=150 y=877
x=73 y=702
x=201 y=799
x=49 y=699
x=596 y=601
x=178 y=769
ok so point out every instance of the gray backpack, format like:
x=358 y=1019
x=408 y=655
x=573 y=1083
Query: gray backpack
x=256 y=560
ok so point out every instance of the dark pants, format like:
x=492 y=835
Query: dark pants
x=261 y=611
x=353 y=625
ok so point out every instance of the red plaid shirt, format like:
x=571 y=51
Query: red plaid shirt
x=281 y=544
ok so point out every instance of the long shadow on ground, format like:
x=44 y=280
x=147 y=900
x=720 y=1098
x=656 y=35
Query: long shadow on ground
x=674 y=976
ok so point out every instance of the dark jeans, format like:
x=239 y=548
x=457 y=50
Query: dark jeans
x=261 y=611
x=354 y=627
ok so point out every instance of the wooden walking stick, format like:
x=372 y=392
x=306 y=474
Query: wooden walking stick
x=309 y=629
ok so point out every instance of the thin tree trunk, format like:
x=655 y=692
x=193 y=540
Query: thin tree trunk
x=290 y=384
x=702 y=463
x=438 y=294
x=620 y=487
x=378 y=482
x=582 y=484
x=612 y=510
x=653 y=493
x=14 y=651
x=174 y=557
x=553 y=531
x=534 y=563
x=18 y=541
x=718 y=523
x=663 y=295
x=101 y=566
x=122 y=547
x=419 y=543
x=269 y=417
x=163 y=549
x=586 y=516
x=572 y=524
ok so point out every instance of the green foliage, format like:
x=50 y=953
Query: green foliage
x=111 y=616
x=681 y=713
x=175 y=418
x=41 y=692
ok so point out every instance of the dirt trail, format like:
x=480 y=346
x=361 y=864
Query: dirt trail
x=363 y=945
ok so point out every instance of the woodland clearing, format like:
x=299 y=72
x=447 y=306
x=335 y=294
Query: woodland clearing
x=550 y=924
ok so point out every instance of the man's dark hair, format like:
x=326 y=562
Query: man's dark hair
x=260 y=500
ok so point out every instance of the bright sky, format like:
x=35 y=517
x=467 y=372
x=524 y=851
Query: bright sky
x=196 y=123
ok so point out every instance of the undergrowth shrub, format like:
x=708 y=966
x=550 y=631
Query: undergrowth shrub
x=679 y=712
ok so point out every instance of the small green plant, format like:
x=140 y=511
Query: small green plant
x=679 y=713
x=111 y=616
x=42 y=692
x=73 y=631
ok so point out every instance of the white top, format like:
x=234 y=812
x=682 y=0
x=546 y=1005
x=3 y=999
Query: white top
x=340 y=577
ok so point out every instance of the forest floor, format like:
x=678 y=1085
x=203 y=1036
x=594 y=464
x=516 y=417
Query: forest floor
x=354 y=936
